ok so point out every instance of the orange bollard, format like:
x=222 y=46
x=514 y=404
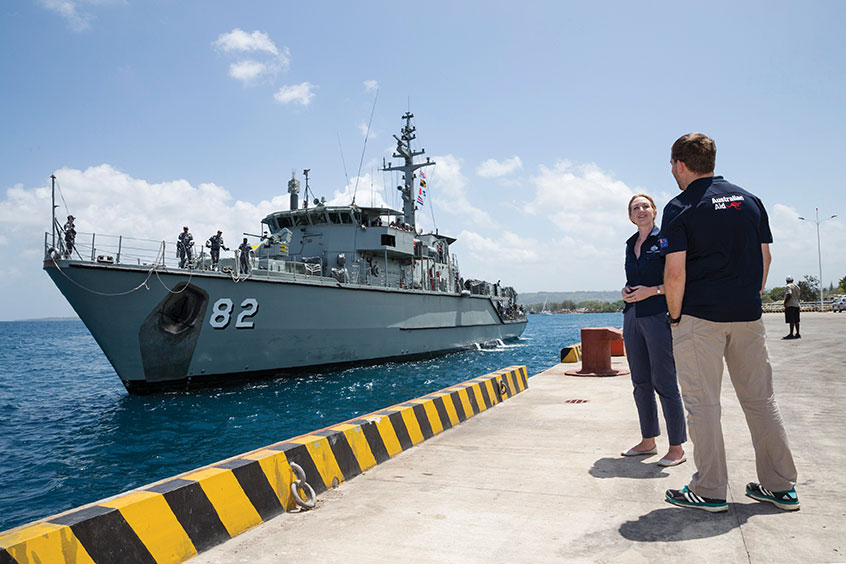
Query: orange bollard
x=596 y=352
x=618 y=348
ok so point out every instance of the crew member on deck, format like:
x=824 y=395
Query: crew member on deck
x=245 y=249
x=185 y=248
x=215 y=243
x=70 y=236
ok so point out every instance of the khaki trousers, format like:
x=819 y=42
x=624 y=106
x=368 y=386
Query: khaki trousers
x=699 y=347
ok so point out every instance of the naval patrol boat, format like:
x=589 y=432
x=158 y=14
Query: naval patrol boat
x=325 y=286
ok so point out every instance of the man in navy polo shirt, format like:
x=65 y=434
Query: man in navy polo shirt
x=716 y=237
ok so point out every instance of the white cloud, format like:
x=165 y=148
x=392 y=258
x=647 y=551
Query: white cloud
x=267 y=59
x=247 y=71
x=371 y=85
x=363 y=128
x=296 y=93
x=582 y=200
x=240 y=41
x=451 y=191
x=76 y=19
x=493 y=168
x=368 y=190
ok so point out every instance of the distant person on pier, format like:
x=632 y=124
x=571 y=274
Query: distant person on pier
x=70 y=236
x=649 y=343
x=244 y=260
x=791 y=308
x=185 y=248
x=215 y=243
x=716 y=238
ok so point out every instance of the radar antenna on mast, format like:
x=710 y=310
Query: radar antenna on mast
x=405 y=152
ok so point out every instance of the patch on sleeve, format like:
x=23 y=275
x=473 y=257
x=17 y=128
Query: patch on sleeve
x=662 y=243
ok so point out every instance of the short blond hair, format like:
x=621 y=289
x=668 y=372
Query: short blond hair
x=636 y=196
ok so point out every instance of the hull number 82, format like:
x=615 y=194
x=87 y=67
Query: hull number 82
x=221 y=314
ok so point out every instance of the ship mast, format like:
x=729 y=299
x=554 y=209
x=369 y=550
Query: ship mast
x=405 y=152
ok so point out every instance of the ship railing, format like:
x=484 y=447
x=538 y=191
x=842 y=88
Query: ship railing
x=115 y=249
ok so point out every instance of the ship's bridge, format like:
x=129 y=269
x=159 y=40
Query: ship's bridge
x=331 y=215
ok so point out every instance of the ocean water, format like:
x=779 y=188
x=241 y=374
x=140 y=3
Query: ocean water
x=71 y=435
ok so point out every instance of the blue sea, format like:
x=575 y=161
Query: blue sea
x=70 y=434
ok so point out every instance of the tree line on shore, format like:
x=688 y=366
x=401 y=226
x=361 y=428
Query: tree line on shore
x=809 y=288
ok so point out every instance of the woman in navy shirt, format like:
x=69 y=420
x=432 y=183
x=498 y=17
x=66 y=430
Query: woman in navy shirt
x=648 y=339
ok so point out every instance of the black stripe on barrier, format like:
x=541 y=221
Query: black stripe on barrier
x=252 y=480
x=442 y=412
x=344 y=455
x=473 y=403
x=298 y=453
x=459 y=407
x=194 y=512
x=423 y=421
x=401 y=430
x=512 y=385
x=495 y=384
x=485 y=396
x=512 y=382
x=523 y=379
x=6 y=558
x=106 y=535
x=374 y=440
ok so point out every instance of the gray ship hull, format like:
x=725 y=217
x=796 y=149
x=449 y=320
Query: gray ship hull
x=174 y=329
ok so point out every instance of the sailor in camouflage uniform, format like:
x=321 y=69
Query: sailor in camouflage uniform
x=70 y=236
x=215 y=243
x=245 y=249
x=185 y=248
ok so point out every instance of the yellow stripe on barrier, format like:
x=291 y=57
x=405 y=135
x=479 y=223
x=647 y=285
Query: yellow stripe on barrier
x=572 y=353
x=412 y=426
x=228 y=498
x=431 y=414
x=276 y=469
x=450 y=408
x=321 y=453
x=464 y=396
x=151 y=518
x=434 y=418
x=480 y=401
x=388 y=435
x=45 y=542
x=358 y=444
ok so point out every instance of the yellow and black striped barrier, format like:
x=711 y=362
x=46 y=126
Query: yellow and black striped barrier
x=572 y=353
x=172 y=520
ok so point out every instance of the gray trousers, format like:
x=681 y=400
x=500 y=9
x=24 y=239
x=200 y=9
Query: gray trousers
x=699 y=347
x=649 y=351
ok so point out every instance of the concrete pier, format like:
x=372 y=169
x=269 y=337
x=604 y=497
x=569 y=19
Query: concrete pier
x=540 y=479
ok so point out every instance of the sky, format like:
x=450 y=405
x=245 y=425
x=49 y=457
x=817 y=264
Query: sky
x=544 y=118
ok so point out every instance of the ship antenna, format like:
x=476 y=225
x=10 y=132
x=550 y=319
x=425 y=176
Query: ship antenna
x=405 y=152
x=305 y=200
x=53 y=209
x=364 y=148
x=341 y=149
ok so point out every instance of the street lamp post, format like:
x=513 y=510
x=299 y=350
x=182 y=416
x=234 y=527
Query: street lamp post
x=819 y=253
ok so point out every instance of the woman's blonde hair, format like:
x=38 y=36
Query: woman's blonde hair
x=636 y=196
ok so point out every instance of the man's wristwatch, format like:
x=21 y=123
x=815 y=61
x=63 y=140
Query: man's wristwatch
x=673 y=320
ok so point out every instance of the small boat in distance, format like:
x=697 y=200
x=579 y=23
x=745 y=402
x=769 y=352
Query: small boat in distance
x=326 y=286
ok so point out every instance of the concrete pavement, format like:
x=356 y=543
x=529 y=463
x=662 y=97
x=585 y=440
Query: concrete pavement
x=539 y=478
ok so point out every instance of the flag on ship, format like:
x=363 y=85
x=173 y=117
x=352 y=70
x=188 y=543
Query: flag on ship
x=421 y=192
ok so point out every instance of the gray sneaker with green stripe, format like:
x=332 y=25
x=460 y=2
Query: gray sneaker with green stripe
x=786 y=499
x=686 y=498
